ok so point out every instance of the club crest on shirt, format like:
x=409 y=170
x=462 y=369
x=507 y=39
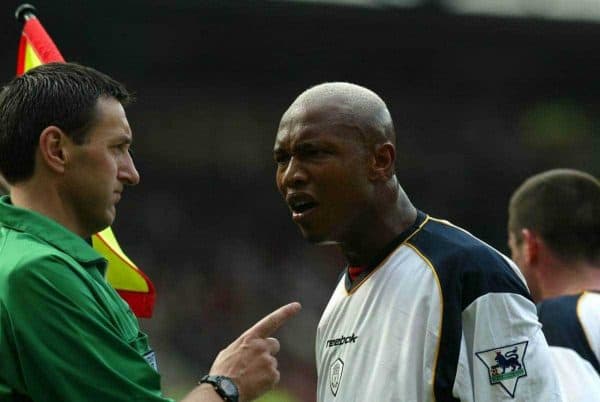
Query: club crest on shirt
x=335 y=375
x=505 y=365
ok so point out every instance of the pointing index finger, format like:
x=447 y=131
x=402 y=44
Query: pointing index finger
x=273 y=321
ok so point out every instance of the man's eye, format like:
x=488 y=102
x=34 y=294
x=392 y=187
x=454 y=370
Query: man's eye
x=282 y=159
x=122 y=148
x=315 y=152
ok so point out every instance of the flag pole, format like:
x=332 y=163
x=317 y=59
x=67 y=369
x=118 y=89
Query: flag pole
x=24 y=12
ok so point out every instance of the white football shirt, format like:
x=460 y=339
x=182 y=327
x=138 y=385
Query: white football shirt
x=440 y=317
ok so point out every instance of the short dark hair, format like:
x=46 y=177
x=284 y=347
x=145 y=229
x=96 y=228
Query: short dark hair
x=562 y=206
x=54 y=94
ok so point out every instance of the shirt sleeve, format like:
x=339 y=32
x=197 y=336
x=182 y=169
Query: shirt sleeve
x=60 y=342
x=504 y=355
x=578 y=379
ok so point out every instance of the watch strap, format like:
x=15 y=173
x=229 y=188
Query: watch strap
x=216 y=381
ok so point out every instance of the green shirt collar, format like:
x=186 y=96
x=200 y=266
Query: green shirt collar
x=49 y=231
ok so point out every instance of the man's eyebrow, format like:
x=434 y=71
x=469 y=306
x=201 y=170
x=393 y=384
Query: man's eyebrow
x=123 y=138
x=279 y=151
x=309 y=143
x=312 y=143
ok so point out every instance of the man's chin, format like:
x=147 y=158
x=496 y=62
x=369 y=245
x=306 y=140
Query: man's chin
x=317 y=238
x=106 y=222
x=98 y=229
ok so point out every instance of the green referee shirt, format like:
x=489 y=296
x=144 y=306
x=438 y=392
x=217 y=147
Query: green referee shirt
x=65 y=334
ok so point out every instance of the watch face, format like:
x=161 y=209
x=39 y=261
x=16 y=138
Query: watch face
x=228 y=386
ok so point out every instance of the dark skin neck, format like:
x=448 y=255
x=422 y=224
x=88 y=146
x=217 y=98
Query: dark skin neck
x=386 y=223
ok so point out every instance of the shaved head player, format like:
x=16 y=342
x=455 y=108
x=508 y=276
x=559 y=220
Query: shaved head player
x=424 y=311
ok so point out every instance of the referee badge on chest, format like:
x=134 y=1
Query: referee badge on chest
x=505 y=365
x=150 y=357
x=335 y=375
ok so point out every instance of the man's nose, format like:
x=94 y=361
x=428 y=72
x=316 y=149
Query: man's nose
x=294 y=173
x=128 y=174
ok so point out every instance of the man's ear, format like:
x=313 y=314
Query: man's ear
x=531 y=242
x=383 y=163
x=52 y=147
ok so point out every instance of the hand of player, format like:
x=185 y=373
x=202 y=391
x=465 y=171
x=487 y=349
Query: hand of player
x=250 y=360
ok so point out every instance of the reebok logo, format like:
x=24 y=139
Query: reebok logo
x=342 y=340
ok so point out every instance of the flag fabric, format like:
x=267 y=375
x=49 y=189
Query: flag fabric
x=35 y=48
x=123 y=275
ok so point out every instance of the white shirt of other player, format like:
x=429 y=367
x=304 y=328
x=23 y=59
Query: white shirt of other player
x=588 y=311
x=578 y=380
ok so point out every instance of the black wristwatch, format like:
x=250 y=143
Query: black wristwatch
x=224 y=386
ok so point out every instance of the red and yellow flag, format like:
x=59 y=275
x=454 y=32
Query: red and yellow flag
x=35 y=48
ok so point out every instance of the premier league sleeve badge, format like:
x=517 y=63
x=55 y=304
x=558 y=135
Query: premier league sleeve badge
x=505 y=365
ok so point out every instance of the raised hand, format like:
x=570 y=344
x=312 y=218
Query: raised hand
x=250 y=360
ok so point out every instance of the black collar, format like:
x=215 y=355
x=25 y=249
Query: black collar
x=382 y=255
